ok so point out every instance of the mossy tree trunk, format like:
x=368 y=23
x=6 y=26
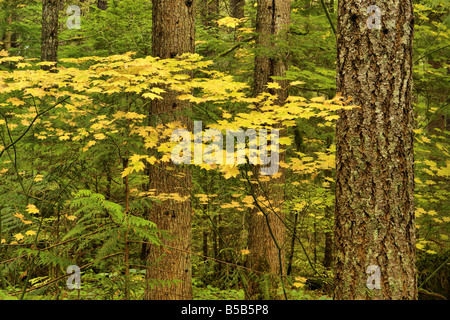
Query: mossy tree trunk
x=49 y=34
x=173 y=35
x=374 y=217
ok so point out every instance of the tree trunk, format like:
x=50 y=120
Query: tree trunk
x=173 y=34
x=209 y=12
x=273 y=17
x=7 y=37
x=102 y=4
x=374 y=217
x=237 y=8
x=49 y=35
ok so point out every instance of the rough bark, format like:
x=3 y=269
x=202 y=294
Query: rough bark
x=49 y=35
x=237 y=8
x=374 y=217
x=273 y=18
x=173 y=35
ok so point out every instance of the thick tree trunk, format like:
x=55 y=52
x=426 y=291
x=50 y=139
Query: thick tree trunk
x=374 y=218
x=267 y=235
x=49 y=35
x=237 y=8
x=173 y=34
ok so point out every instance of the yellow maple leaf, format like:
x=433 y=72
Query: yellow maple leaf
x=229 y=22
x=15 y=102
x=273 y=85
x=318 y=99
x=230 y=171
x=99 y=136
x=298 y=284
x=31 y=208
x=19 y=236
x=64 y=137
x=432 y=213
x=245 y=252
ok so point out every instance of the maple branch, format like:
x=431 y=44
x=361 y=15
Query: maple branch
x=68 y=274
x=31 y=124
x=237 y=45
x=276 y=214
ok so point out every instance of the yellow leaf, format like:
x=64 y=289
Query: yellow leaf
x=226 y=115
x=318 y=99
x=273 y=85
x=248 y=200
x=38 y=177
x=30 y=233
x=15 y=102
x=285 y=141
x=23 y=65
x=245 y=252
x=64 y=137
x=230 y=171
x=46 y=63
x=71 y=218
x=127 y=171
x=99 y=136
x=151 y=96
x=3 y=241
x=19 y=236
x=18 y=215
x=31 y=208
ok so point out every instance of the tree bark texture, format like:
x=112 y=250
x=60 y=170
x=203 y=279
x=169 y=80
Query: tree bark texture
x=173 y=35
x=374 y=217
x=49 y=35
